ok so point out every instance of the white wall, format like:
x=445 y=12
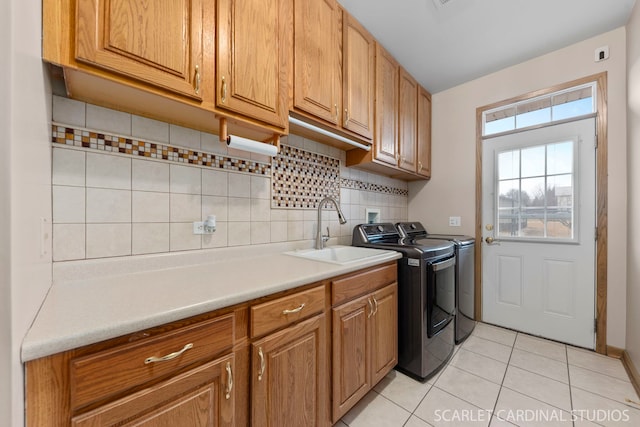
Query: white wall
x=451 y=190
x=633 y=160
x=27 y=97
x=5 y=226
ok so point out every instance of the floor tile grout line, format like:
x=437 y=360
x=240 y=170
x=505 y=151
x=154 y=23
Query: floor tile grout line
x=606 y=397
x=601 y=373
x=495 y=405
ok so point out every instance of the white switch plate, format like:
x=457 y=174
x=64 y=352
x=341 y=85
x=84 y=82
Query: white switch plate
x=454 y=221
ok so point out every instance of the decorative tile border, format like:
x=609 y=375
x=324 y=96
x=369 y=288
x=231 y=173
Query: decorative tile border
x=302 y=178
x=93 y=140
x=368 y=186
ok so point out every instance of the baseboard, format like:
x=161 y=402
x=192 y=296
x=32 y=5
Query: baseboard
x=634 y=376
x=615 y=352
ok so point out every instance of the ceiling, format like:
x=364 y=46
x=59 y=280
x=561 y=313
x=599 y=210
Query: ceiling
x=444 y=45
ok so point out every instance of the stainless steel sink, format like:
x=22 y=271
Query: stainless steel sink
x=341 y=254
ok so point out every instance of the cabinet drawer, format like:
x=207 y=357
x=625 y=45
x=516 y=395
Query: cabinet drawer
x=109 y=372
x=348 y=287
x=281 y=312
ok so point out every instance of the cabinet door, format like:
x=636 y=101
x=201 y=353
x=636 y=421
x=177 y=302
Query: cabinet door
x=351 y=362
x=158 y=42
x=316 y=61
x=387 y=78
x=358 y=52
x=384 y=332
x=424 y=133
x=202 y=396
x=251 y=59
x=408 y=113
x=288 y=376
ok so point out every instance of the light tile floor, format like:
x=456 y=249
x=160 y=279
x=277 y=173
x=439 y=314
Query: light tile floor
x=502 y=378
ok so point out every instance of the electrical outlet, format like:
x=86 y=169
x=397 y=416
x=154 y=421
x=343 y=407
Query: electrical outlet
x=601 y=53
x=198 y=227
x=454 y=221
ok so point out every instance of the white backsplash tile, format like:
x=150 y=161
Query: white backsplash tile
x=239 y=233
x=279 y=231
x=260 y=232
x=68 y=204
x=150 y=176
x=68 y=242
x=105 y=119
x=150 y=238
x=239 y=185
x=108 y=206
x=149 y=207
x=211 y=143
x=239 y=209
x=105 y=171
x=185 y=207
x=185 y=179
x=295 y=230
x=182 y=237
x=261 y=188
x=69 y=111
x=214 y=205
x=149 y=129
x=68 y=167
x=184 y=137
x=215 y=183
x=279 y=215
x=108 y=240
x=260 y=210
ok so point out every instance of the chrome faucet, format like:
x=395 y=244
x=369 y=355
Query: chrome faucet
x=320 y=238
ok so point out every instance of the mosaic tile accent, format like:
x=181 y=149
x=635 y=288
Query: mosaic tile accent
x=302 y=178
x=368 y=186
x=92 y=140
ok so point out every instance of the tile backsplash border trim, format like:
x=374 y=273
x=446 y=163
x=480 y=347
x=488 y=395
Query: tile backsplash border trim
x=89 y=139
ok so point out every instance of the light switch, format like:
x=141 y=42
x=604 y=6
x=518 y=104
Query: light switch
x=454 y=221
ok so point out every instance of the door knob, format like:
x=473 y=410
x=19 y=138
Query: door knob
x=489 y=240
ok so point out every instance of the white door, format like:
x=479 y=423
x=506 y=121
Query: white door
x=538 y=214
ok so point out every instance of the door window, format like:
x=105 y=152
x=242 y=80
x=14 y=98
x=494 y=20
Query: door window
x=536 y=189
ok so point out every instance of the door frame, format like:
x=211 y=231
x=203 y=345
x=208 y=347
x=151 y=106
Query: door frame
x=601 y=197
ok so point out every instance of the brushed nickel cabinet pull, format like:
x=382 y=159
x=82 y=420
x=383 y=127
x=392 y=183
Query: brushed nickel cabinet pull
x=261 y=356
x=229 y=381
x=224 y=90
x=294 y=310
x=169 y=356
x=197 y=79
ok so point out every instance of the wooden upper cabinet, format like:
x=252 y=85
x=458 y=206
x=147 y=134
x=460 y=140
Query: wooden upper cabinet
x=251 y=74
x=157 y=42
x=408 y=127
x=424 y=132
x=317 y=87
x=358 y=53
x=387 y=98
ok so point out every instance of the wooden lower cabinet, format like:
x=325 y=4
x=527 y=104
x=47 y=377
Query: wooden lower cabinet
x=289 y=380
x=202 y=396
x=365 y=346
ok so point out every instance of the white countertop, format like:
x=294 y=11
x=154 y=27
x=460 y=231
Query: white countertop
x=91 y=301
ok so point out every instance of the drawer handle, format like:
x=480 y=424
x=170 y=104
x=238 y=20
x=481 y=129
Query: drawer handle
x=370 y=308
x=229 y=381
x=261 y=356
x=169 y=356
x=294 y=310
x=375 y=301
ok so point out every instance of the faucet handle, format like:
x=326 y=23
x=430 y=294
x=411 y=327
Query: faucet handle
x=326 y=237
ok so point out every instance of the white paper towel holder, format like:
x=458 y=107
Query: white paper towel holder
x=226 y=138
